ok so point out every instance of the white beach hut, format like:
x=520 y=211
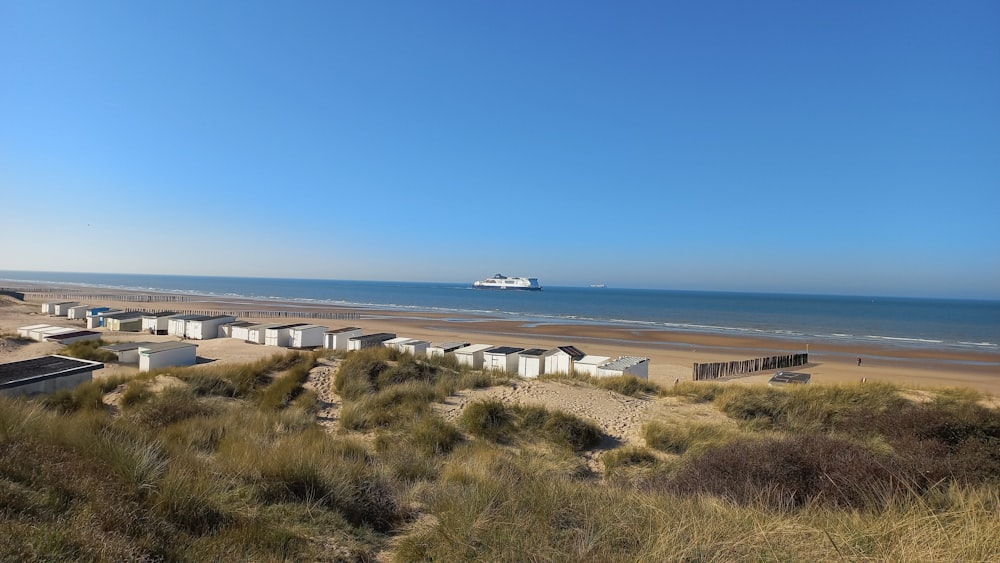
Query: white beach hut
x=306 y=336
x=396 y=343
x=472 y=355
x=123 y=321
x=363 y=341
x=258 y=333
x=414 y=347
x=62 y=309
x=588 y=364
x=127 y=352
x=50 y=307
x=280 y=335
x=25 y=331
x=79 y=312
x=240 y=330
x=501 y=358
x=445 y=348
x=157 y=323
x=176 y=325
x=167 y=354
x=338 y=339
x=561 y=359
x=206 y=328
x=531 y=362
x=43 y=333
x=47 y=374
x=625 y=365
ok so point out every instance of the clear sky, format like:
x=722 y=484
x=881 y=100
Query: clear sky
x=828 y=147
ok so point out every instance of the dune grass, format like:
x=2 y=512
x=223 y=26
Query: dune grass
x=231 y=465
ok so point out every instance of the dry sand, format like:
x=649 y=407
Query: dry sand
x=672 y=355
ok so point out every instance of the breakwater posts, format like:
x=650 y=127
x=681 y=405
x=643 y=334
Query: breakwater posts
x=257 y=314
x=123 y=297
x=716 y=370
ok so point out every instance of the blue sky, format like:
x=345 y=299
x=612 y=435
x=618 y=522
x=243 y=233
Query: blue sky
x=827 y=147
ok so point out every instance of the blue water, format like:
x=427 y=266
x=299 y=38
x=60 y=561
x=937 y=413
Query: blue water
x=887 y=321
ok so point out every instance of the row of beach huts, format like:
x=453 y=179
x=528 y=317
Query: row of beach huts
x=530 y=362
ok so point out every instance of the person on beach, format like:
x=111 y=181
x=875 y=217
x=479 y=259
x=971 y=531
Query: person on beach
x=859 y=360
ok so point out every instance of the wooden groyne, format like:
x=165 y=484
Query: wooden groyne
x=716 y=370
x=257 y=314
x=122 y=297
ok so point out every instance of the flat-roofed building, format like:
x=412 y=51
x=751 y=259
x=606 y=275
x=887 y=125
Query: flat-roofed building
x=363 y=341
x=62 y=309
x=49 y=308
x=501 y=358
x=306 y=336
x=445 y=348
x=25 y=331
x=396 y=343
x=157 y=323
x=124 y=321
x=178 y=323
x=240 y=330
x=561 y=358
x=339 y=338
x=78 y=312
x=471 y=355
x=47 y=374
x=68 y=338
x=127 y=352
x=625 y=365
x=258 y=333
x=206 y=328
x=531 y=362
x=587 y=365
x=42 y=333
x=280 y=335
x=414 y=347
x=167 y=354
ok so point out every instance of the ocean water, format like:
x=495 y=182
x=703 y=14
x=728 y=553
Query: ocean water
x=887 y=321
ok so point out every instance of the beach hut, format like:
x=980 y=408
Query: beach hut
x=25 y=331
x=68 y=338
x=47 y=374
x=50 y=307
x=472 y=355
x=306 y=336
x=561 y=359
x=43 y=333
x=414 y=347
x=363 y=341
x=127 y=352
x=258 y=333
x=178 y=323
x=339 y=338
x=280 y=335
x=587 y=365
x=78 y=312
x=157 y=323
x=167 y=354
x=396 y=343
x=625 y=365
x=531 y=362
x=206 y=328
x=95 y=316
x=62 y=309
x=501 y=358
x=445 y=348
x=123 y=321
x=783 y=378
x=239 y=331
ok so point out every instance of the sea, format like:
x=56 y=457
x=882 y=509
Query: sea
x=888 y=322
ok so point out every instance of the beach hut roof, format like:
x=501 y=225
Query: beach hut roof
x=473 y=348
x=503 y=350
x=623 y=362
x=65 y=335
x=533 y=352
x=152 y=348
x=571 y=351
x=595 y=360
x=339 y=330
x=123 y=346
x=158 y=315
x=44 y=368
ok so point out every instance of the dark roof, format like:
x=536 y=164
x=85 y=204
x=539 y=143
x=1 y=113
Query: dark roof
x=242 y=324
x=160 y=314
x=378 y=336
x=532 y=352
x=339 y=330
x=571 y=351
x=124 y=315
x=66 y=335
x=451 y=346
x=279 y=327
x=505 y=350
x=15 y=374
x=215 y=318
x=154 y=347
x=790 y=377
x=123 y=346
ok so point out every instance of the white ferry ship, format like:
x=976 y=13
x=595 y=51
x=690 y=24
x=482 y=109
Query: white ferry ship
x=501 y=281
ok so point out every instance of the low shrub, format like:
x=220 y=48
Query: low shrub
x=628 y=456
x=396 y=405
x=288 y=385
x=490 y=419
x=493 y=420
x=679 y=437
x=169 y=406
x=628 y=385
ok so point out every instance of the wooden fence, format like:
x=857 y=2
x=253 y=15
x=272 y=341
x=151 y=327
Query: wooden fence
x=124 y=297
x=257 y=314
x=715 y=370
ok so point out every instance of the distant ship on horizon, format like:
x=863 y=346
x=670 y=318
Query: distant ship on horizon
x=500 y=281
x=598 y=285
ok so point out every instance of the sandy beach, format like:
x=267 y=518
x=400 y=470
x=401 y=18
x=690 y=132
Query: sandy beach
x=672 y=354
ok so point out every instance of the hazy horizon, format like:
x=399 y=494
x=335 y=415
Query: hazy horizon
x=840 y=149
